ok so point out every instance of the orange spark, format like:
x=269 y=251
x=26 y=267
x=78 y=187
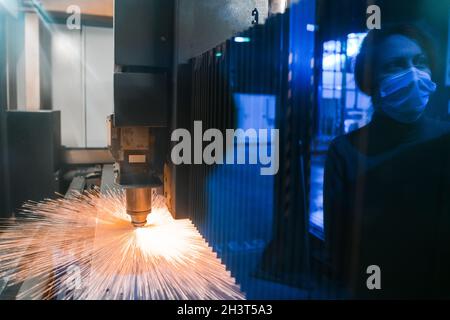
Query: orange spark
x=86 y=248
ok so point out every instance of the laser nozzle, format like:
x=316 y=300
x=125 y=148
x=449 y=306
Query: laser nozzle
x=139 y=205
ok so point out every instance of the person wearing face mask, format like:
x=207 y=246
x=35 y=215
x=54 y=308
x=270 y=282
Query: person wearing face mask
x=386 y=184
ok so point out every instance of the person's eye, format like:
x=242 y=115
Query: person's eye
x=392 y=67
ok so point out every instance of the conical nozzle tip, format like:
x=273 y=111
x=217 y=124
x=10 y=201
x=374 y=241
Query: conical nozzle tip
x=139 y=220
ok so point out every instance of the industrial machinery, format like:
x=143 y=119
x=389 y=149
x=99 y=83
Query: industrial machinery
x=143 y=61
x=154 y=81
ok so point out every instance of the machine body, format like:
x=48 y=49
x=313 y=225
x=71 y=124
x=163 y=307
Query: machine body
x=143 y=69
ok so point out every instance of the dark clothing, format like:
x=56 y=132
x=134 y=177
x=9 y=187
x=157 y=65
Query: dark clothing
x=386 y=203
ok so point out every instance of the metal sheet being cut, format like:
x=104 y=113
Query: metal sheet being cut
x=86 y=248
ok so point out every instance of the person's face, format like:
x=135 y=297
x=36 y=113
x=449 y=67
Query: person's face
x=398 y=53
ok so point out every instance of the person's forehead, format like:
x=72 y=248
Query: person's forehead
x=398 y=46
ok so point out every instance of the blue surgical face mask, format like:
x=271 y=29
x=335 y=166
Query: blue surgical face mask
x=405 y=95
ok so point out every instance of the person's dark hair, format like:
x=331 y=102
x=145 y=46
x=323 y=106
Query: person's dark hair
x=364 y=73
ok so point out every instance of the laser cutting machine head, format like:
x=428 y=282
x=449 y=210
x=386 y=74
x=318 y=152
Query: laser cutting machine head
x=144 y=59
x=135 y=150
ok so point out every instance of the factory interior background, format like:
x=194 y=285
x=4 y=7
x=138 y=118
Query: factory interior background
x=160 y=65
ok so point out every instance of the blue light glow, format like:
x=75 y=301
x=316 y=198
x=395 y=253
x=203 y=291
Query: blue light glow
x=310 y=27
x=242 y=39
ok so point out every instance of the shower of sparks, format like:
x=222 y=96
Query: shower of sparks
x=86 y=248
